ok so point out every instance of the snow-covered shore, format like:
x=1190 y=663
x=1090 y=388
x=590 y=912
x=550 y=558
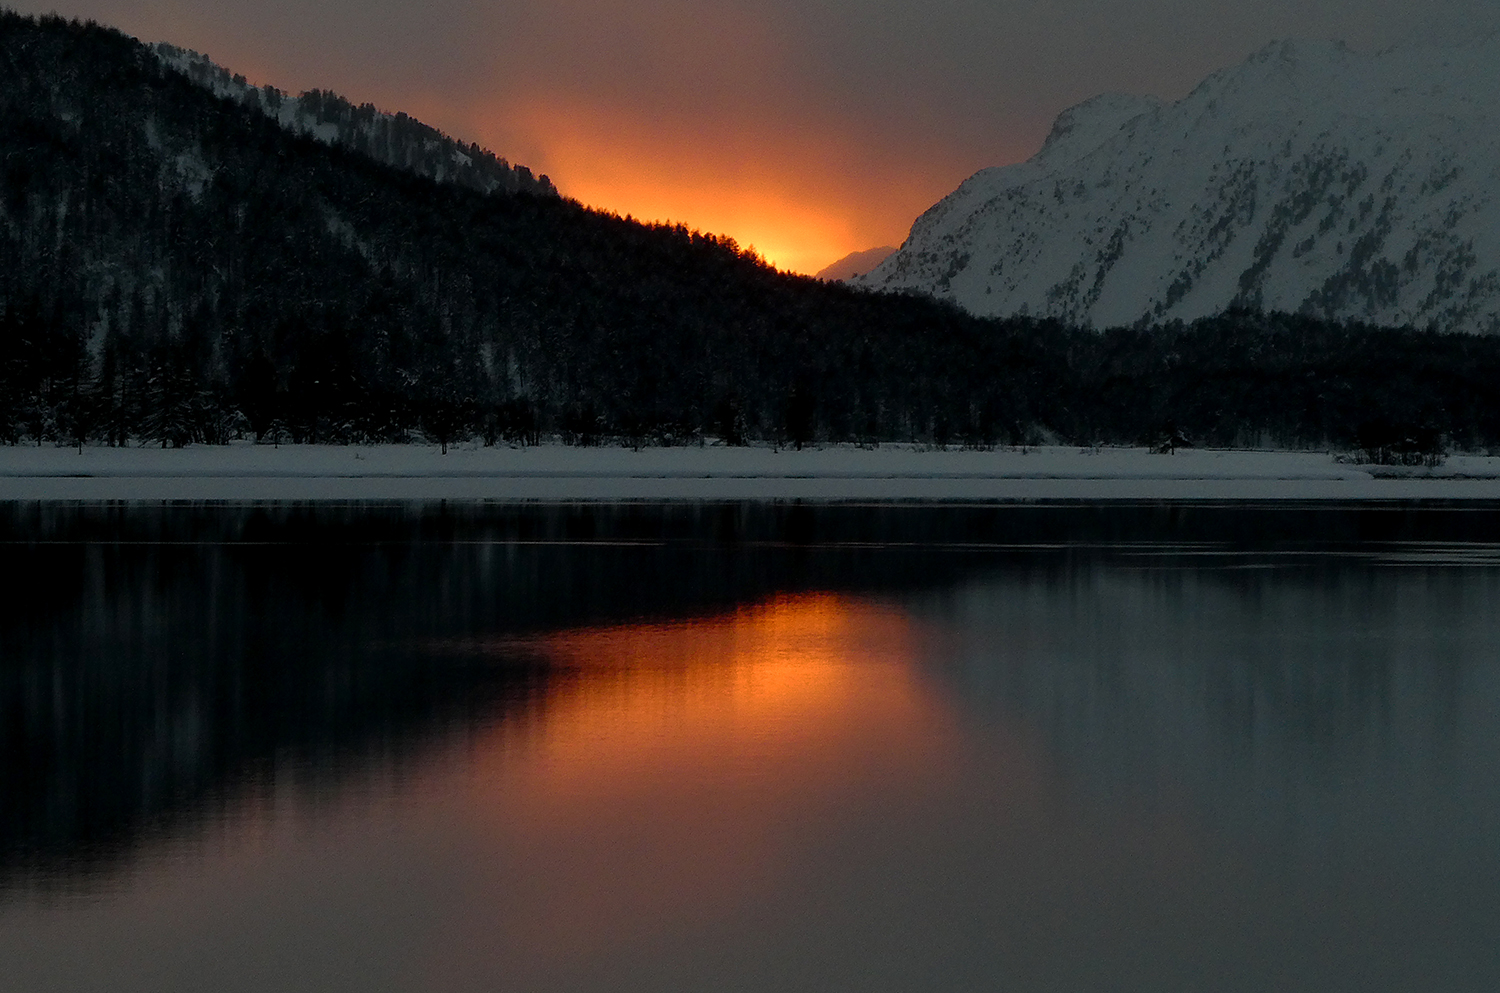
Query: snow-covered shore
x=892 y=472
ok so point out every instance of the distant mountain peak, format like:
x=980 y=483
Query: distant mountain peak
x=855 y=264
x=1309 y=178
x=1083 y=128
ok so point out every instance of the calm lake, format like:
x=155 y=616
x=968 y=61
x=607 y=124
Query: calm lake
x=453 y=747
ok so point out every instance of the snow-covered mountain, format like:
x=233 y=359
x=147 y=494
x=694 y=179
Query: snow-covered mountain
x=1308 y=179
x=854 y=264
x=395 y=139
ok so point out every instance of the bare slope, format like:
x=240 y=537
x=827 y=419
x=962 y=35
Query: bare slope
x=1308 y=179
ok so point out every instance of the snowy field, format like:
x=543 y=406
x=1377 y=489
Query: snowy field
x=892 y=472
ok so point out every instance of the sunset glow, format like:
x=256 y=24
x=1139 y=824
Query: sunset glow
x=807 y=130
x=800 y=196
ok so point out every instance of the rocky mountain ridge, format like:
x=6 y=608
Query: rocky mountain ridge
x=393 y=139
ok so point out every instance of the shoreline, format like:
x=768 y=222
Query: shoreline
x=248 y=472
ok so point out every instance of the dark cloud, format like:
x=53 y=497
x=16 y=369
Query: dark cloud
x=809 y=127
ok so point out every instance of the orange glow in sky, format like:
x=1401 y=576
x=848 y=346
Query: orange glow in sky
x=643 y=109
x=800 y=197
x=809 y=130
x=661 y=110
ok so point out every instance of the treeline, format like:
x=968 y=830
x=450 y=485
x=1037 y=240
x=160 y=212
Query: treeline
x=179 y=269
x=1245 y=379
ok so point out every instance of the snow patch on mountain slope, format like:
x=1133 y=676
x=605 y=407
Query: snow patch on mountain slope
x=1308 y=179
x=395 y=139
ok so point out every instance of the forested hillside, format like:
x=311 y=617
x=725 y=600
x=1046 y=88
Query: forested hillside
x=180 y=267
x=176 y=267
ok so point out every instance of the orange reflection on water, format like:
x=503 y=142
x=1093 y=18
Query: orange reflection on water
x=681 y=771
x=749 y=688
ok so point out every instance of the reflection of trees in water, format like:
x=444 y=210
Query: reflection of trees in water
x=1282 y=694
x=154 y=659
x=173 y=674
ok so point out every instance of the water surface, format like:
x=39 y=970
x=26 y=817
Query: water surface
x=756 y=747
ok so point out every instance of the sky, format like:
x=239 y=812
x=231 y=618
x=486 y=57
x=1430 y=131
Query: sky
x=807 y=129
